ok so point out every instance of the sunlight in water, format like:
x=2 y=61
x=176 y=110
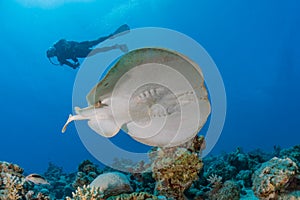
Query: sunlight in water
x=48 y=3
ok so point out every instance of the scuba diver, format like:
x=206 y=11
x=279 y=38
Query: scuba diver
x=65 y=50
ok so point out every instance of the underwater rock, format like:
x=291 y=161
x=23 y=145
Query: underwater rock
x=112 y=183
x=274 y=178
x=174 y=170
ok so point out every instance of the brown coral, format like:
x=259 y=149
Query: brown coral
x=174 y=169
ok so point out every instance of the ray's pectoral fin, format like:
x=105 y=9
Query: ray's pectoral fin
x=72 y=118
x=104 y=127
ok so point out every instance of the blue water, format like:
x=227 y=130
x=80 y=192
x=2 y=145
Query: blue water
x=254 y=43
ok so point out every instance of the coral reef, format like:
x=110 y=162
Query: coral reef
x=292 y=153
x=11 y=181
x=290 y=196
x=140 y=174
x=258 y=156
x=86 y=193
x=215 y=180
x=274 y=178
x=87 y=172
x=236 y=166
x=142 y=182
x=42 y=195
x=94 y=193
x=228 y=190
x=174 y=173
x=13 y=184
x=245 y=177
x=60 y=182
x=13 y=187
x=239 y=159
x=11 y=169
x=174 y=169
x=248 y=194
x=137 y=196
x=221 y=168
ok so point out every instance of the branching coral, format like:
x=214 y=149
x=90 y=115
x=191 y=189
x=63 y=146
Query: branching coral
x=215 y=180
x=134 y=196
x=13 y=187
x=11 y=181
x=87 y=193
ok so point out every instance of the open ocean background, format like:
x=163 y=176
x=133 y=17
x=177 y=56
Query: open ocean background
x=254 y=43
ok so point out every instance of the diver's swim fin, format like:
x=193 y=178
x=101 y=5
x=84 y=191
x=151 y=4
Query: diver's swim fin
x=122 y=30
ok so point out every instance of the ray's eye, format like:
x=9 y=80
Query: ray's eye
x=98 y=104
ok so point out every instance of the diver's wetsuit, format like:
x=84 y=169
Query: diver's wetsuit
x=73 y=50
x=65 y=50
